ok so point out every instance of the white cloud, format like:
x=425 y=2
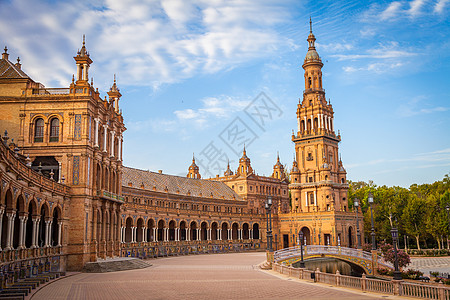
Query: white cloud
x=418 y=106
x=415 y=7
x=439 y=7
x=391 y=11
x=212 y=107
x=146 y=43
x=335 y=47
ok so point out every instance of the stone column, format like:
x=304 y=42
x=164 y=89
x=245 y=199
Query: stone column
x=1 y=222
x=113 y=133
x=59 y=232
x=198 y=235
x=34 y=232
x=96 y=121
x=9 y=229
x=219 y=234
x=105 y=136
x=144 y=234
x=250 y=234
x=119 y=148
x=47 y=233
x=326 y=123
x=22 y=231
x=155 y=235
x=229 y=234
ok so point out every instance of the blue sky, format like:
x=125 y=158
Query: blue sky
x=190 y=70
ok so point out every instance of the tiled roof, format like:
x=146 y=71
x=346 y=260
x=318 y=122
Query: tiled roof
x=177 y=184
x=9 y=70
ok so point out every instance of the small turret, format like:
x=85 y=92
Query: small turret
x=83 y=62
x=114 y=95
x=245 y=167
x=228 y=172
x=278 y=169
x=193 y=170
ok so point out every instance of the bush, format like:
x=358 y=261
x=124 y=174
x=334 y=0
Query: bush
x=388 y=253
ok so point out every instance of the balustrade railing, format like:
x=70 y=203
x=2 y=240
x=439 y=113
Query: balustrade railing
x=51 y=91
x=403 y=288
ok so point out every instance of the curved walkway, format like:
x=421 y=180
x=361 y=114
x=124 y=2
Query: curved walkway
x=216 y=276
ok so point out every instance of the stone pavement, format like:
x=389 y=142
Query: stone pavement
x=427 y=264
x=215 y=276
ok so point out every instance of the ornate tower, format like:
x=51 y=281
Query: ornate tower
x=193 y=170
x=278 y=169
x=319 y=181
x=245 y=167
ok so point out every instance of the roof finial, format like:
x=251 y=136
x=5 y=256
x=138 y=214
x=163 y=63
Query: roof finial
x=6 y=49
x=84 y=40
x=310 y=25
x=193 y=157
x=244 y=153
x=278 y=156
x=114 y=77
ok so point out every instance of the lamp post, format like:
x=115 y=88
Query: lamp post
x=370 y=198
x=276 y=242
x=397 y=273
x=358 y=234
x=300 y=237
x=269 y=223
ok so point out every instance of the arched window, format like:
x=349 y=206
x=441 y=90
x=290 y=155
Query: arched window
x=54 y=130
x=39 y=130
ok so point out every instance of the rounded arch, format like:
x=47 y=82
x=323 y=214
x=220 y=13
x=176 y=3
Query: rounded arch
x=32 y=213
x=56 y=221
x=54 y=124
x=193 y=230
x=245 y=231
x=255 y=231
x=38 y=129
x=234 y=231
x=225 y=227
x=20 y=204
x=351 y=241
x=44 y=212
x=172 y=225
x=161 y=225
x=204 y=231
x=183 y=230
x=140 y=230
x=150 y=227
x=9 y=199
x=214 y=227
x=128 y=229
x=306 y=235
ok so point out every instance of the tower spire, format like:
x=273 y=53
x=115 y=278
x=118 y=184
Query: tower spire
x=310 y=25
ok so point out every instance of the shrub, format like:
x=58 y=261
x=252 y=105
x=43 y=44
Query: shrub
x=388 y=253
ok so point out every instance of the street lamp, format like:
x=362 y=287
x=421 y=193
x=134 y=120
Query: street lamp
x=370 y=199
x=276 y=242
x=269 y=223
x=300 y=237
x=447 y=207
x=397 y=273
x=358 y=234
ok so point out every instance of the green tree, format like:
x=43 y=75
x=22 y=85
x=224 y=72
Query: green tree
x=413 y=217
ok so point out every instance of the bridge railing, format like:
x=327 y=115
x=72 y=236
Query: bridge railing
x=291 y=252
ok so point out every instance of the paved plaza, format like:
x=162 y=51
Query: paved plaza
x=427 y=264
x=215 y=276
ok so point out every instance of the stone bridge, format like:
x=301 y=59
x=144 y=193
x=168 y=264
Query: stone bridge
x=370 y=262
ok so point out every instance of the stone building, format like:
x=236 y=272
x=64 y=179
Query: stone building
x=74 y=137
x=318 y=183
